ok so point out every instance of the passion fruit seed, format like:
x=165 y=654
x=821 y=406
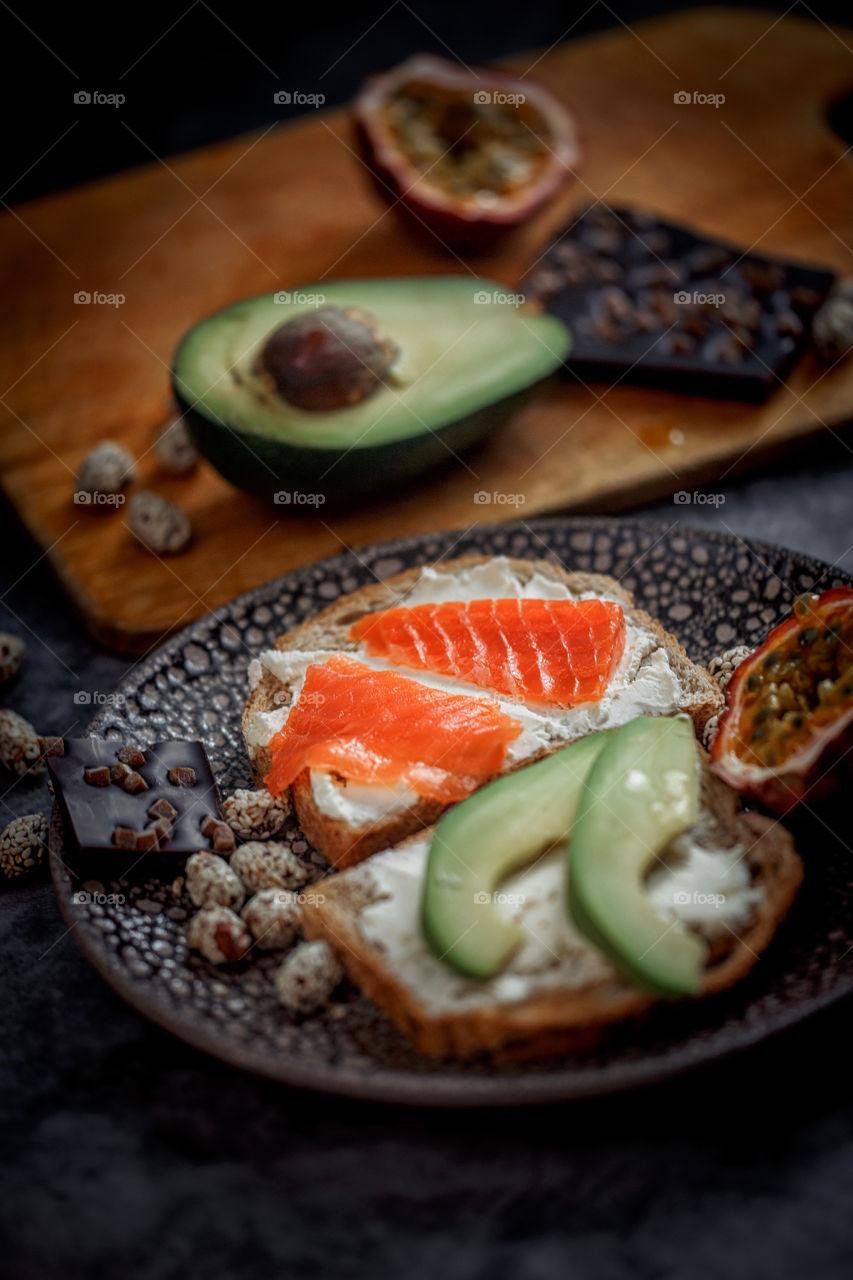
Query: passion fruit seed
x=804 y=604
x=327 y=359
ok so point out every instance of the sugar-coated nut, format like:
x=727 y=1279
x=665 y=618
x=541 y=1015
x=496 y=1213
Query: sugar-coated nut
x=709 y=731
x=131 y=756
x=12 y=650
x=107 y=469
x=274 y=917
x=210 y=879
x=19 y=745
x=832 y=327
x=219 y=934
x=23 y=846
x=268 y=865
x=175 y=450
x=160 y=525
x=256 y=815
x=722 y=666
x=308 y=977
x=163 y=809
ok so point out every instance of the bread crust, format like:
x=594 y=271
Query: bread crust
x=560 y=1020
x=341 y=843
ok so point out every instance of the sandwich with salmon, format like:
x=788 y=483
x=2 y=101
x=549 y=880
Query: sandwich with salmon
x=410 y=694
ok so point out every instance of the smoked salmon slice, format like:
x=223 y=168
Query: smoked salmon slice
x=554 y=651
x=378 y=726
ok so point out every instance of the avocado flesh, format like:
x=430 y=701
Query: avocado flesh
x=641 y=792
x=500 y=829
x=462 y=368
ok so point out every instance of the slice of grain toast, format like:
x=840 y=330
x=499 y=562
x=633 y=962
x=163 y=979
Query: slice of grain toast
x=344 y=844
x=556 y=1020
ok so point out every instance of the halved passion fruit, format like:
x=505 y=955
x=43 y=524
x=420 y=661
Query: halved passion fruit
x=788 y=721
x=468 y=153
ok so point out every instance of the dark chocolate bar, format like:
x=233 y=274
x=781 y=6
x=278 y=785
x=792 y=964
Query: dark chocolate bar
x=120 y=826
x=649 y=301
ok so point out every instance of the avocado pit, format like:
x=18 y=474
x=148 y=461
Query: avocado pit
x=327 y=359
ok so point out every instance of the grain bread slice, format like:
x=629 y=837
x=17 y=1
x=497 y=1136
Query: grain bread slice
x=559 y=1019
x=345 y=844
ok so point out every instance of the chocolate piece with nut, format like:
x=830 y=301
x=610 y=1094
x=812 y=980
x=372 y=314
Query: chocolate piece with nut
x=117 y=816
x=652 y=302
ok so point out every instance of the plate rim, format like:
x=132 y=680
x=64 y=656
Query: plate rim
x=391 y=1085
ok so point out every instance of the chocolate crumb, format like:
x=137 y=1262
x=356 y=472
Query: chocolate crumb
x=133 y=782
x=182 y=776
x=97 y=777
x=163 y=809
x=222 y=838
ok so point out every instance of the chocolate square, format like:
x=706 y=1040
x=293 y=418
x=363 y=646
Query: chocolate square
x=93 y=814
x=652 y=302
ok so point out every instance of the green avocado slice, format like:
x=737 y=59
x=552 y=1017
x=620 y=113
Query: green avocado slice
x=498 y=830
x=466 y=355
x=642 y=792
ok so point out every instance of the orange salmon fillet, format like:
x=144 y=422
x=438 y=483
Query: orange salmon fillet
x=554 y=651
x=378 y=726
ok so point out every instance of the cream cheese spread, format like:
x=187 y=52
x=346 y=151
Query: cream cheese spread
x=701 y=885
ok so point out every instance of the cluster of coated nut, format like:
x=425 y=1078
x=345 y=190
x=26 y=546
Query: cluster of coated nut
x=270 y=875
x=19 y=745
x=23 y=846
x=267 y=874
x=256 y=815
x=160 y=525
x=12 y=650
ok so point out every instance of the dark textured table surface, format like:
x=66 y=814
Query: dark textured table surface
x=128 y=1154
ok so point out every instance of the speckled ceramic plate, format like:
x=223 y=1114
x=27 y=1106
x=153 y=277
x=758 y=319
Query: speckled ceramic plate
x=712 y=591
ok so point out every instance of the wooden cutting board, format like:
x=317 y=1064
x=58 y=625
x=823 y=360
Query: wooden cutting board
x=293 y=205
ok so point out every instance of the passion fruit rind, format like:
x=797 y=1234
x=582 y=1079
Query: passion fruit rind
x=789 y=706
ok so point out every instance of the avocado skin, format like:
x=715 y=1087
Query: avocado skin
x=265 y=467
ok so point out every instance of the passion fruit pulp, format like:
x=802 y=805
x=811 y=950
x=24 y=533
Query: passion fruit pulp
x=468 y=153
x=788 y=721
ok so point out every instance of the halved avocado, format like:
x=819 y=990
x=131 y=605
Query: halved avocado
x=462 y=356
